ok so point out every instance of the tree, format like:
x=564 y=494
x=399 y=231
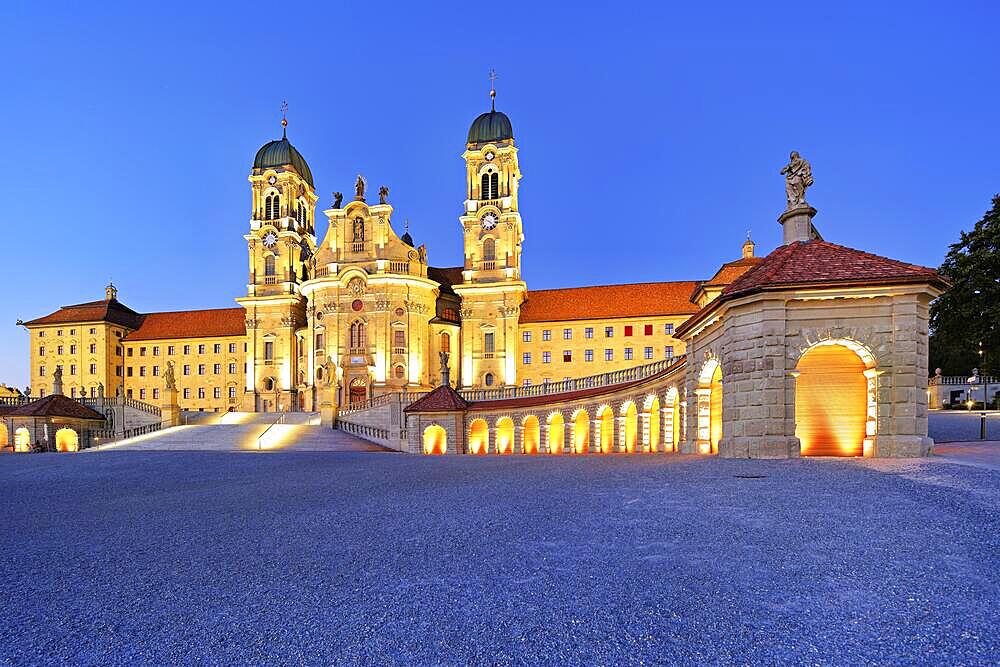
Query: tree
x=964 y=320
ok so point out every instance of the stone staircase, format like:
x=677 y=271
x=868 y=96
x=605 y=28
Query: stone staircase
x=245 y=437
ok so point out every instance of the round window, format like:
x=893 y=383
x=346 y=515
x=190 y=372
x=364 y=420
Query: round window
x=489 y=379
x=358 y=305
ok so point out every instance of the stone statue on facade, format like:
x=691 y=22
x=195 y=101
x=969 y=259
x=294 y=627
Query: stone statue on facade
x=338 y=199
x=445 y=371
x=798 y=177
x=359 y=188
x=100 y=390
x=57 y=385
x=168 y=376
x=422 y=252
x=383 y=194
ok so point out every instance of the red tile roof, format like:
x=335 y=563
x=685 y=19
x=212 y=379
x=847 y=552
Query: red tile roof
x=817 y=264
x=442 y=399
x=608 y=301
x=56 y=405
x=806 y=263
x=191 y=324
x=94 y=311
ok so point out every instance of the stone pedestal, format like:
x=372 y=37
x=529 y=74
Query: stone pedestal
x=798 y=226
x=328 y=408
x=170 y=411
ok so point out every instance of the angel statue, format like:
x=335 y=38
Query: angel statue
x=383 y=194
x=338 y=198
x=359 y=188
x=798 y=177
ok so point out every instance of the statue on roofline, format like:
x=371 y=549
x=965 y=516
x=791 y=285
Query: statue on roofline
x=798 y=177
x=383 y=194
x=359 y=188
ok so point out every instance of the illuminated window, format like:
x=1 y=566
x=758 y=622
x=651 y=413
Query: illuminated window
x=217 y=392
x=546 y=357
x=628 y=353
x=526 y=336
x=668 y=329
x=609 y=354
x=526 y=358
x=358 y=335
x=668 y=351
x=567 y=334
x=588 y=332
x=588 y=355
x=232 y=392
x=647 y=353
x=546 y=334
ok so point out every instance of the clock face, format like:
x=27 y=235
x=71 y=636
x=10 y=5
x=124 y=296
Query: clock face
x=270 y=239
x=489 y=221
x=273 y=179
x=490 y=155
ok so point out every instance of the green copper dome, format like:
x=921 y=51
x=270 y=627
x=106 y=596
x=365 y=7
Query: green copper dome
x=281 y=153
x=490 y=126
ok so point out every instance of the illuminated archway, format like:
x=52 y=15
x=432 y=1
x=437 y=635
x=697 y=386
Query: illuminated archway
x=22 y=440
x=652 y=422
x=556 y=436
x=67 y=440
x=631 y=414
x=504 y=437
x=479 y=437
x=832 y=401
x=530 y=435
x=607 y=418
x=581 y=432
x=3 y=435
x=435 y=440
x=715 y=413
x=675 y=414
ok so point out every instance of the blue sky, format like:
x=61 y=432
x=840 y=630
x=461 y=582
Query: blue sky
x=651 y=135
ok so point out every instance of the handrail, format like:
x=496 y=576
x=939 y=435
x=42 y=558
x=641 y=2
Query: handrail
x=609 y=379
x=279 y=420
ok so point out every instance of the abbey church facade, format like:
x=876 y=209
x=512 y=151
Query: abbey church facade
x=362 y=310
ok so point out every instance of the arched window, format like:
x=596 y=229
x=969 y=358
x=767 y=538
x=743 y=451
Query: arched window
x=484 y=190
x=358 y=335
x=272 y=207
x=489 y=379
x=494 y=186
x=489 y=250
x=269 y=265
x=445 y=342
